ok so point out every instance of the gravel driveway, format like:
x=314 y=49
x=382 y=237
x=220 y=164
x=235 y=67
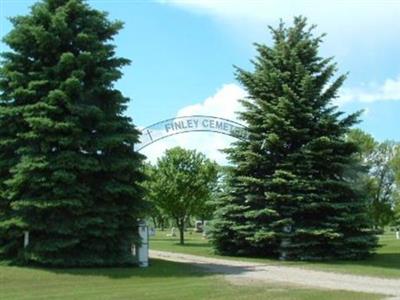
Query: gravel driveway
x=240 y=270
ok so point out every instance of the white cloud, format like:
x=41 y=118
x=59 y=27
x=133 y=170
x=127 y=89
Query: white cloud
x=387 y=91
x=359 y=32
x=352 y=25
x=334 y=12
x=224 y=104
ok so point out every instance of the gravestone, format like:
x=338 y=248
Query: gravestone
x=198 y=226
x=173 y=232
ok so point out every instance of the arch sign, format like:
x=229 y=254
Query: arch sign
x=198 y=123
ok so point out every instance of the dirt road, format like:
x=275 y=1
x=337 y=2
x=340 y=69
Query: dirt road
x=240 y=270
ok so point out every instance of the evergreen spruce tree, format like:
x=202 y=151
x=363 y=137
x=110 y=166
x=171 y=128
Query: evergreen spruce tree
x=291 y=192
x=8 y=158
x=68 y=172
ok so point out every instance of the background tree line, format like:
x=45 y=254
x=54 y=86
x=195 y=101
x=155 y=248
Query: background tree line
x=184 y=186
x=381 y=179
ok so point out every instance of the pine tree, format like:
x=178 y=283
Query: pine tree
x=8 y=158
x=68 y=172
x=291 y=190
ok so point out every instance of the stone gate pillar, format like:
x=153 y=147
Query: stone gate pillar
x=142 y=249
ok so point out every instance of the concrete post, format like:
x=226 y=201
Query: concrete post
x=26 y=239
x=142 y=250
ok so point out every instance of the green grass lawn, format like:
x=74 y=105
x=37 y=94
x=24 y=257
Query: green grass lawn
x=385 y=263
x=163 y=280
x=168 y=280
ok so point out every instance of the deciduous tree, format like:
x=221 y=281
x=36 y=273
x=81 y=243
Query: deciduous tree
x=379 y=182
x=181 y=184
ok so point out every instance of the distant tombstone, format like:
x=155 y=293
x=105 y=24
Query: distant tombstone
x=152 y=231
x=397 y=234
x=173 y=232
x=205 y=229
x=198 y=226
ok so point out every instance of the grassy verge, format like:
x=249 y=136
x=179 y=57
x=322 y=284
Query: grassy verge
x=385 y=263
x=163 y=280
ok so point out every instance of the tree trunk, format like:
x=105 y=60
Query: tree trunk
x=162 y=224
x=155 y=221
x=181 y=236
x=180 y=222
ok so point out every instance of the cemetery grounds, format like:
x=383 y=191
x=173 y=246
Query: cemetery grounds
x=176 y=280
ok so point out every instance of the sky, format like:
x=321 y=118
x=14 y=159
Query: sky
x=183 y=55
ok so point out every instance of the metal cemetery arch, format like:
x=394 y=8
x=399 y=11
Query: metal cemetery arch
x=196 y=123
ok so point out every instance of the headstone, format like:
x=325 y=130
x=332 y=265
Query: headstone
x=397 y=234
x=198 y=226
x=152 y=231
x=173 y=232
x=205 y=229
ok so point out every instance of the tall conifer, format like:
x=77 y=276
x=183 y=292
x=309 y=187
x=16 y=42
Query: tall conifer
x=68 y=172
x=291 y=192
